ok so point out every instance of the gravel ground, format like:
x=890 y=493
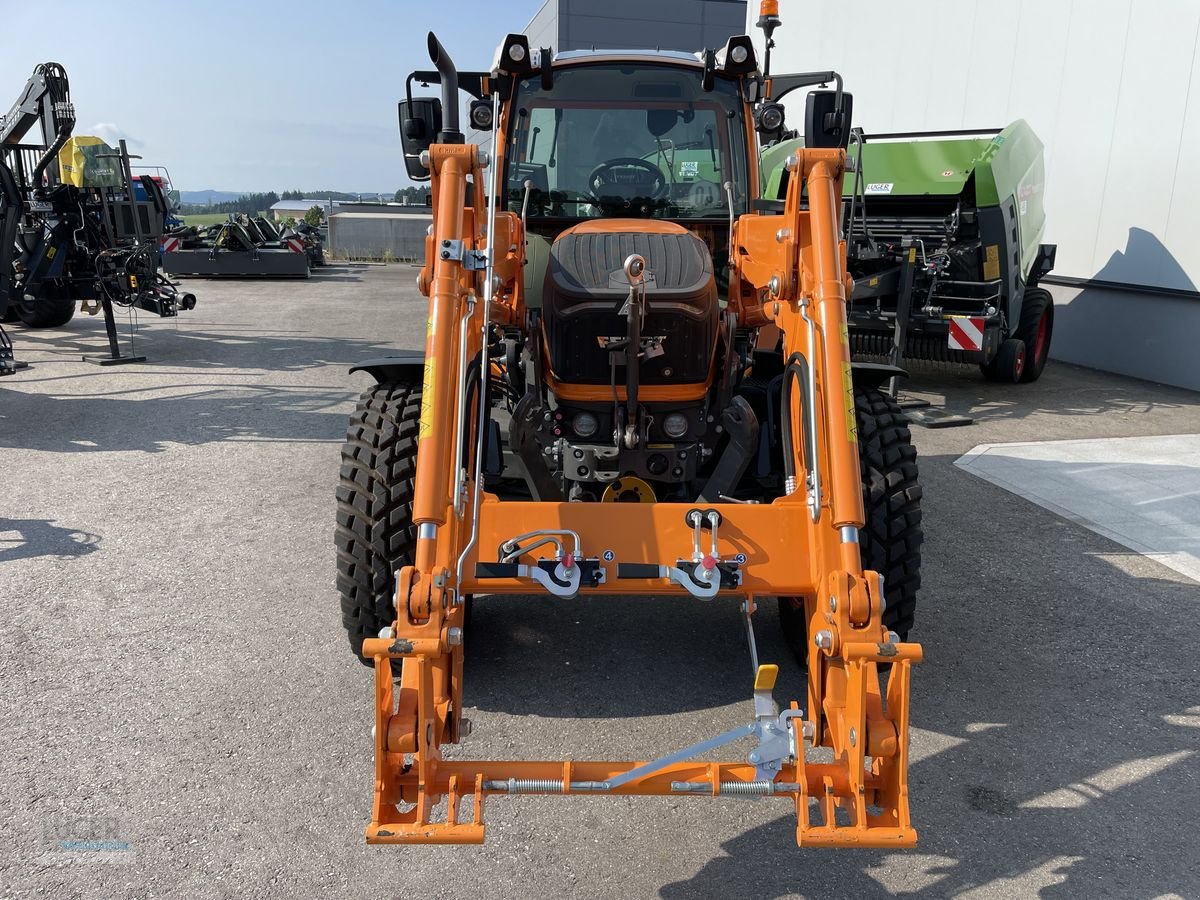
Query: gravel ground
x=177 y=695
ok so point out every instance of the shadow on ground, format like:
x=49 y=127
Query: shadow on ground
x=181 y=414
x=225 y=347
x=1059 y=747
x=617 y=657
x=30 y=538
x=963 y=389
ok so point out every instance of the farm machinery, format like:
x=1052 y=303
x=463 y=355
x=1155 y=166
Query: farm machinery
x=75 y=225
x=243 y=246
x=636 y=381
x=944 y=235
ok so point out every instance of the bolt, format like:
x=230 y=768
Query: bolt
x=782 y=235
x=808 y=730
x=833 y=604
x=424 y=158
x=853 y=737
x=823 y=639
x=893 y=638
x=754 y=757
x=464 y=728
x=445 y=254
x=446 y=242
x=683 y=454
x=454 y=636
x=387 y=633
x=484 y=159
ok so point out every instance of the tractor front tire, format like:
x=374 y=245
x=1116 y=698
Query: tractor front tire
x=375 y=535
x=1035 y=329
x=890 y=541
x=44 y=312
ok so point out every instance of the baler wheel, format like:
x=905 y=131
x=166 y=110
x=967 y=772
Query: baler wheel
x=1035 y=329
x=890 y=542
x=375 y=534
x=1008 y=365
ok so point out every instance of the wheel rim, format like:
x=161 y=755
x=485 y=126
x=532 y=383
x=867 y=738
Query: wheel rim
x=1040 y=344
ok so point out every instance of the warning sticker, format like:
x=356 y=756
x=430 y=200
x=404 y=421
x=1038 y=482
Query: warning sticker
x=848 y=387
x=991 y=262
x=427 y=383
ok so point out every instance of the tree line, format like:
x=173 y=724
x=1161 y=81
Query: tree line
x=257 y=202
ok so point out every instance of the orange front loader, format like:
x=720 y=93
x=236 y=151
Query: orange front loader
x=635 y=381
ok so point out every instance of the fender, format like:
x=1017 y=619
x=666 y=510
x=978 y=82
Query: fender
x=392 y=368
x=872 y=375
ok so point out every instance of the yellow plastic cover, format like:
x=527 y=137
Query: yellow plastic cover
x=78 y=163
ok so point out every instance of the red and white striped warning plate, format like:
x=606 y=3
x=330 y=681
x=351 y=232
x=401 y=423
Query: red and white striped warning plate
x=171 y=244
x=295 y=245
x=966 y=332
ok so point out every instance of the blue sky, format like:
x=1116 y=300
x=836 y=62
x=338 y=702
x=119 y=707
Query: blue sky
x=216 y=91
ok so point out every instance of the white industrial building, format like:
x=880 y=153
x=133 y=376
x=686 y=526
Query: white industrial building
x=1112 y=87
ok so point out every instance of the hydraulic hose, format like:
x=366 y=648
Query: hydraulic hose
x=796 y=372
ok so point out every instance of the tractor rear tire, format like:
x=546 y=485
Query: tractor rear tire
x=44 y=312
x=375 y=535
x=1008 y=365
x=890 y=542
x=1036 y=329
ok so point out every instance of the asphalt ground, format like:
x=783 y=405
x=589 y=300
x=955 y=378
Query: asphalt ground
x=180 y=715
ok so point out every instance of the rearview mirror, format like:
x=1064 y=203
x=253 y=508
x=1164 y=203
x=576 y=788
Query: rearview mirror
x=420 y=121
x=823 y=127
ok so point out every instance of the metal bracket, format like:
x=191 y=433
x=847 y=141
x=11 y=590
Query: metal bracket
x=472 y=260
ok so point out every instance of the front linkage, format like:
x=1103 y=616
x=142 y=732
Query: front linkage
x=805 y=544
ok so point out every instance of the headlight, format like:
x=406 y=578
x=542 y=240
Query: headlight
x=769 y=117
x=584 y=424
x=516 y=52
x=481 y=114
x=738 y=54
x=675 y=425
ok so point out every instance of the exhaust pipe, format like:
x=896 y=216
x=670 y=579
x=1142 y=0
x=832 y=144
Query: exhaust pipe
x=450 y=133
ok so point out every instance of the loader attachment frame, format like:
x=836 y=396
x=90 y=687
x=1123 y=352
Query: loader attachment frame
x=787 y=270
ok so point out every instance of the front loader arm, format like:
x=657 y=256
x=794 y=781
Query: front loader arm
x=792 y=268
x=796 y=263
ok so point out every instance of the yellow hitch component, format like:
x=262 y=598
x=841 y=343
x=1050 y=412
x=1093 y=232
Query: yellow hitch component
x=766 y=676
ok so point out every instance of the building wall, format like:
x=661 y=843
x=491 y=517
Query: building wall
x=1112 y=87
x=383 y=237
x=636 y=24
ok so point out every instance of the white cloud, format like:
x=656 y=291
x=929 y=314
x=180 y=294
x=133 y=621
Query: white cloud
x=112 y=133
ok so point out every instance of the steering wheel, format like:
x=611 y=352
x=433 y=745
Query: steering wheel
x=627 y=178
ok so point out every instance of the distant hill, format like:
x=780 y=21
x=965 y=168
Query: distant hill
x=209 y=196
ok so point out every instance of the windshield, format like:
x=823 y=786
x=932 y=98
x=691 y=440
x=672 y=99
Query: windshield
x=626 y=140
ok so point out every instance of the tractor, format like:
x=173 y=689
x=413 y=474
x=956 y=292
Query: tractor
x=636 y=380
